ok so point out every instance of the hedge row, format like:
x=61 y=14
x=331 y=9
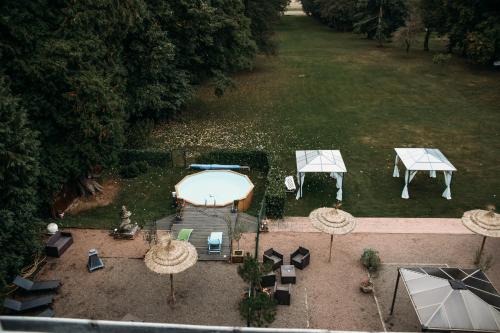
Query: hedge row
x=153 y=157
x=275 y=195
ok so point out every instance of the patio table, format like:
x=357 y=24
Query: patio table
x=288 y=274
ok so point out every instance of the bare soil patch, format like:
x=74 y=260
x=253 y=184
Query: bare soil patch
x=111 y=188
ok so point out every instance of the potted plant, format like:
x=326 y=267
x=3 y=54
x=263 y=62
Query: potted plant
x=235 y=232
x=366 y=286
x=370 y=259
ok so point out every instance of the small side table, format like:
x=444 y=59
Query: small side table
x=287 y=274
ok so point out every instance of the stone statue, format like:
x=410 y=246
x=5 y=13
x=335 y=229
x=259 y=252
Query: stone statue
x=126 y=225
x=127 y=229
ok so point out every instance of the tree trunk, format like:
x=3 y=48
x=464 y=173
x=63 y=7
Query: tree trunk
x=426 y=40
x=407 y=46
x=379 y=25
x=89 y=186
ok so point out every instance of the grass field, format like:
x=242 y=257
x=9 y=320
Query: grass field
x=328 y=90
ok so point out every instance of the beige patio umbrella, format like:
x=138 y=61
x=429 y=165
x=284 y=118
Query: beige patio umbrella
x=171 y=257
x=332 y=221
x=483 y=222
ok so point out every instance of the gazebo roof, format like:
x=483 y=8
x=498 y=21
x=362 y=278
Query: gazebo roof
x=453 y=298
x=319 y=161
x=424 y=159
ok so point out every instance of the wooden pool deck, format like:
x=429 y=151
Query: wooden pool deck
x=203 y=221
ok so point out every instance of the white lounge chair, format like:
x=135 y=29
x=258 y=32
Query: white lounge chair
x=290 y=184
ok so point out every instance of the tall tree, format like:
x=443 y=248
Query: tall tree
x=264 y=14
x=433 y=14
x=380 y=18
x=338 y=14
x=67 y=60
x=19 y=170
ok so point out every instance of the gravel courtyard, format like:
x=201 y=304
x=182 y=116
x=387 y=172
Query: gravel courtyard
x=326 y=295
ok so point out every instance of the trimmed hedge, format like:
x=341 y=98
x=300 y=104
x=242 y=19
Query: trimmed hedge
x=275 y=195
x=255 y=159
x=153 y=157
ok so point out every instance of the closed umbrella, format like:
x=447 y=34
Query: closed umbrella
x=171 y=257
x=483 y=222
x=332 y=221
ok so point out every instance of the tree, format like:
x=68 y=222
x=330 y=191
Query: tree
x=338 y=14
x=156 y=87
x=407 y=34
x=264 y=14
x=67 y=60
x=311 y=8
x=19 y=172
x=258 y=308
x=433 y=14
x=380 y=18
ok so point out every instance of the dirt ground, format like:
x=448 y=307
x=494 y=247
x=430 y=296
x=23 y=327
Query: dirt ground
x=111 y=187
x=326 y=295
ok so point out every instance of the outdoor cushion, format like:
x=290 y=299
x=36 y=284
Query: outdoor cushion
x=36 y=285
x=184 y=234
x=19 y=306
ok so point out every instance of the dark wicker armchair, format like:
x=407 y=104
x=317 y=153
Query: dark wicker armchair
x=273 y=257
x=300 y=258
x=282 y=293
x=268 y=280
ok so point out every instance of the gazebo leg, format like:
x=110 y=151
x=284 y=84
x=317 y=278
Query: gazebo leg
x=395 y=293
x=331 y=243
x=171 y=299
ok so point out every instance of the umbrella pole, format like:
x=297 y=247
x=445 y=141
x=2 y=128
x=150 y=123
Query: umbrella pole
x=172 y=296
x=481 y=249
x=331 y=243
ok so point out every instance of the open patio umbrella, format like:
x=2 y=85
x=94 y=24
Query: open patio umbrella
x=332 y=221
x=171 y=257
x=483 y=222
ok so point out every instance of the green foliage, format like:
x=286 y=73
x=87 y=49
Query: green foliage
x=264 y=14
x=380 y=18
x=370 y=259
x=129 y=171
x=338 y=14
x=433 y=14
x=441 y=58
x=311 y=7
x=210 y=37
x=259 y=310
x=139 y=134
x=474 y=28
x=19 y=172
x=275 y=196
x=153 y=157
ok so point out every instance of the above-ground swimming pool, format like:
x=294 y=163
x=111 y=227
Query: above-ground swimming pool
x=216 y=188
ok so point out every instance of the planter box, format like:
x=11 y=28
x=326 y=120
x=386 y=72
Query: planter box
x=237 y=257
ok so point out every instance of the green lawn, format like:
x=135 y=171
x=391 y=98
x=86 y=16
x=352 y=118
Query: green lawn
x=148 y=197
x=328 y=90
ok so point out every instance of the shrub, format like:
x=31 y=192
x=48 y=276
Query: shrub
x=441 y=58
x=139 y=134
x=159 y=158
x=370 y=259
x=142 y=166
x=130 y=171
x=275 y=196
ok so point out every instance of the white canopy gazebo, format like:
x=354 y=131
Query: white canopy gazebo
x=423 y=159
x=320 y=161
